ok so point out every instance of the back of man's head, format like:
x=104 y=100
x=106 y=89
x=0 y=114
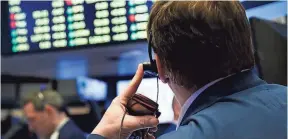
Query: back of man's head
x=200 y=41
x=41 y=98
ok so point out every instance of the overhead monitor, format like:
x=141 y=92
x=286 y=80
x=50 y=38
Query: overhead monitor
x=45 y=25
x=148 y=87
x=32 y=26
x=91 y=89
x=270 y=42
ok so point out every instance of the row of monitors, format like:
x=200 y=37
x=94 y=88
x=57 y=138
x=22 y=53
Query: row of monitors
x=90 y=89
x=93 y=89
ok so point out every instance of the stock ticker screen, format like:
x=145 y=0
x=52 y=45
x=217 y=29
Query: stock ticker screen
x=43 y=25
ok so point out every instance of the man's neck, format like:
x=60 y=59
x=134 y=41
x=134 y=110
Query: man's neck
x=58 y=119
x=181 y=93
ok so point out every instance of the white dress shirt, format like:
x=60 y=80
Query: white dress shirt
x=55 y=134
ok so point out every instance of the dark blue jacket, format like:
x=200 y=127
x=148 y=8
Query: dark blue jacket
x=239 y=107
x=71 y=131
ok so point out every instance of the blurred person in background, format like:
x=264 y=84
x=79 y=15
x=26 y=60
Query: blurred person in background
x=13 y=127
x=45 y=113
x=204 y=52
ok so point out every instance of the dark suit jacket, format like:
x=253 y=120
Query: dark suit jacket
x=241 y=106
x=71 y=131
x=164 y=129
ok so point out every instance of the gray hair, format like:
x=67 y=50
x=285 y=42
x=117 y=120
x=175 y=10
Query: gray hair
x=41 y=98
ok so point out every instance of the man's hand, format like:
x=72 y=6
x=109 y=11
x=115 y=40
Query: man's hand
x=109 y=126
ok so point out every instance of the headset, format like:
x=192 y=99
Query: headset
x=150 y=67
x=42 y=100
x=41 y=97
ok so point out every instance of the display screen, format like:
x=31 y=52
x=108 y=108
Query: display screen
x=91 y=89
x=148 y=87
x=42 y=25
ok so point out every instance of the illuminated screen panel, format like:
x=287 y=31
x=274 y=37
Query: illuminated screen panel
x=148 y=87
x=91 y=89
x=46 y=25
x=42 y=25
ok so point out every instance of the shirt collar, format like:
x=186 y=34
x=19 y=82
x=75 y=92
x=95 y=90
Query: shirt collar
x=55 y=134
x=190 y=100
x=62 y=123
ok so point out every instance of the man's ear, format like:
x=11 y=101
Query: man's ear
x=161 y=71
x=49 y=109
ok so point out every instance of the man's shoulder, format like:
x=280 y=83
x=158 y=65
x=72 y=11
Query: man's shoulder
x=267 y=100
x=241 y=115
x=265 y=96
x=70 y=129
x=268 y=88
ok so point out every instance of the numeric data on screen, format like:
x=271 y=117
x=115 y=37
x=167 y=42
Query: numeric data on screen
x=42 y=25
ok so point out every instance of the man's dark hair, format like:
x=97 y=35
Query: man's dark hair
x=200 y=41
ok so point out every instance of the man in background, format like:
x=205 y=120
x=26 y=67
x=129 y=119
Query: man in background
x=46 y=117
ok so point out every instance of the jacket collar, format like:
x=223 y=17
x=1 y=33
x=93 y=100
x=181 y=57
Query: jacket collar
x=225 y=87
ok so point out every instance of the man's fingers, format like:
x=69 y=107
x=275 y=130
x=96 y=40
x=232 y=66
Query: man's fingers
x=140 y=122
x=134 y=84
x=149 y=136
x=154 y=129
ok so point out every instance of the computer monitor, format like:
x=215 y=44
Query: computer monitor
x=148 y=87
x=270 y=43
x=33 y=26
x=91 y=89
